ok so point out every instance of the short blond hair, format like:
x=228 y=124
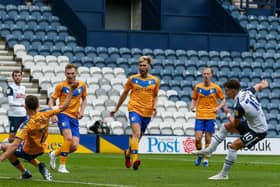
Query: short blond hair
x=70 y=66
x=145 y=58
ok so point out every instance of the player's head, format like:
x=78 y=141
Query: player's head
x=144 y=64
x=207 y=74
x=232 y=88
x=31 y=102
x=70 y=72
x=17 y=76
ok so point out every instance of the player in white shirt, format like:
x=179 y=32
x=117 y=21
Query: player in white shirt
x=251 y=130
x=16 y=96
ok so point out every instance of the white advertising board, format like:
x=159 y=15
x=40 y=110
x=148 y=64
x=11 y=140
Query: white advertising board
x=186 y=144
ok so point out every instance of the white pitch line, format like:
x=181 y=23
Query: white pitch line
x=190 y=160
x=70 y=182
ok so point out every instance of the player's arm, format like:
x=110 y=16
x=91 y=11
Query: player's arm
x=10 y=149
x=83 y=107
x=193 y=105
x=155 y=101
x=10 y=94
x=120 y=102
x=68 y=98
x=263 y=84
x=221 y=105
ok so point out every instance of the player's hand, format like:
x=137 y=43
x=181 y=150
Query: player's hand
x=154 y=112
x=112 y=113
x=264 y=83
x=80 y=115
x=217 y=109
x=193 y=109
x=227 y=110
x=54 y=119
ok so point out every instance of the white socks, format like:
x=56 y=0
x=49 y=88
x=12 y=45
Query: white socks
x=229 y=161
x=217 y=139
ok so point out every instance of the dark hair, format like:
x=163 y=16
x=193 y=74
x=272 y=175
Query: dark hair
x=31 y=102
x=16 y=71
x=70 y=66
x=232 y=84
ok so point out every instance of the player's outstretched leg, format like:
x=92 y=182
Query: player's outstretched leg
x=127 y=158
x=44 y=171
x=26 y=175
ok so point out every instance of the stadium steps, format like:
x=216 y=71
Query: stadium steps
x=8 y=64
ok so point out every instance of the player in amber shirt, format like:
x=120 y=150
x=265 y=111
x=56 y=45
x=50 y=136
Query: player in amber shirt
x=68 y=120
x=143 y=88
x=31 y=136
x=204 y=99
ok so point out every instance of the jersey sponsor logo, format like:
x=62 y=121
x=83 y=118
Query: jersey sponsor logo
x=143 y=83
x=206 y=92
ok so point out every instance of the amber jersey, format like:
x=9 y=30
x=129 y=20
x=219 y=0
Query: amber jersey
x=34 y=131
x=61 y=91
x=206 y=97
x=143 y=93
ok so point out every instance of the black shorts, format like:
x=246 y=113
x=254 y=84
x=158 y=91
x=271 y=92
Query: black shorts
x=15 y=123
x=248 y=136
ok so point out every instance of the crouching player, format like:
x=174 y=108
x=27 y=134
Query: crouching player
x=31 y=136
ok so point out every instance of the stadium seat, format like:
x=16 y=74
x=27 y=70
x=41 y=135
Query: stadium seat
x=113 y=52
x=168 y=64
x=179 y=117
x=136 y=53
x=125 y=52
x=116 y=127
x=170 y=54
x=181 y=54
x=179 y=65
x=154 y=128
x=148 y=52
x=214 y=56
x=159 y=54
x=177 y=129
x=166 y=128
x=192 y=55
x=203 y=55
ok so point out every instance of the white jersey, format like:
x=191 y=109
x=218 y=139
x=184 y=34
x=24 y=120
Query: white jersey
x=16 y=95
x=248 y=106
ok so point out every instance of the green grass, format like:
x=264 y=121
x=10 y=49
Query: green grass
x=155 y=170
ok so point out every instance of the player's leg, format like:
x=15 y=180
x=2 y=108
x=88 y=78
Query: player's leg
x=209 y=130
x=127 y=153
x=65 y=129
x=14 y=124
x=198 y=132
x=13 y=159
x=41 y=167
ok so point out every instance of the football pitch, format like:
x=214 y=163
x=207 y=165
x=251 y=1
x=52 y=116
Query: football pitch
x=155 y=170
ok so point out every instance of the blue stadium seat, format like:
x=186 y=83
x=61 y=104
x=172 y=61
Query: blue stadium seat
x=191 y=65
x=46 y=11
x=67 y=51
x=19 y=21
x=243 y=20
x=184 y=96
x=272 y=38
x=52 y=31
x=252 y=29
x=273 y=108
x=244 y=77
x=181 y=54
x=8 y=20
x=267 y=76
x=175 y=85
x=70 y=41
x=79 y=51
x=185 y=84
x=276 y=67
x=48 y=41
x=133 y=63
x=223 y=66
x=148 y=52
x=273 y=21
x=159 y=54
x=222 y=76
x=246 y=56
x=90 y=51
x=157 y=64
x=190 y=76
x=258 y=57
x=27 y=31
x=260 y=47
x=102 y=52
x=271 y=48
x=267 y=67
x=125 y=52
x=214 y=56
x=23 y=11
x=88 y=61
x=123 y=63
x=225 y=56
x=111 y=62
x=32 y=50
x=5 y=30
x=43 y=21
x=178 y=75
x=253 y=19
x=170 y=54
x=35 y=11
x=114 y=52
x=56 y=51
x=192 y=55
x=270 y=58
x=132 y=71
x=213 y=65
x=76 y=60
x=257 y=67
x=179 y=65
x=164 y=85
x=275 y=77
x=11 y=10
x=255 y=77
x=99 y=61
x=11 y=41
x=200 y=65
x=203 y=55
x=246 y=66
x=263 y=20
x=43 y=50
x=62 y=31
x=31 y=21
x=166 y=74
x=168 y=64
x=136 y=52
x=54 y=20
